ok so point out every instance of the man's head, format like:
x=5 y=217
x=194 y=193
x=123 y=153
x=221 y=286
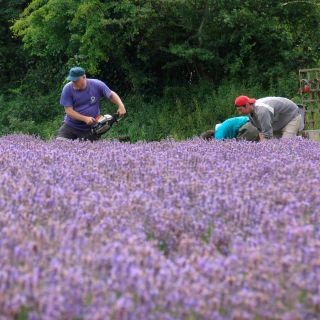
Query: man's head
x=244 y=104
x=208 y=135
x=78 y=76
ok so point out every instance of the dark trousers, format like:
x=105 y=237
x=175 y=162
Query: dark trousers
x=67 y=132
x=248 y=132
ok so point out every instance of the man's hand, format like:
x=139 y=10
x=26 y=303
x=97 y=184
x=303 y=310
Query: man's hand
x=89 y=120
x=77 y=116
x=121 y=111
x=262 y=137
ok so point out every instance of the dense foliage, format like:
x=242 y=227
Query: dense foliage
x=144 y=47
x=163 y=230
x=153 y=42
x=12 y=59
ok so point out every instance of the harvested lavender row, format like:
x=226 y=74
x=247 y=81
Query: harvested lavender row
x=164 y=230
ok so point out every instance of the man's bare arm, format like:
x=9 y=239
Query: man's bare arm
x=77 y=116
x=116 y=100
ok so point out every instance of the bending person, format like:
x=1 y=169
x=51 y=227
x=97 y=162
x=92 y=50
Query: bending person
x=238 y=128
x=272 y=116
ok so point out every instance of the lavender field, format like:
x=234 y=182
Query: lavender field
x=164 y=230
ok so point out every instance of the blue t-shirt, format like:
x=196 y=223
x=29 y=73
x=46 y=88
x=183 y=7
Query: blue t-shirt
x=86 y=101
x=229 y=129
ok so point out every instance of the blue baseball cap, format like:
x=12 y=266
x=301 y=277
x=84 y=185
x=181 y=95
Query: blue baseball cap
x=75 y=73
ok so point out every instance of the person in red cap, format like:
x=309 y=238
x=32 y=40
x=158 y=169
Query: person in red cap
x=273 y=116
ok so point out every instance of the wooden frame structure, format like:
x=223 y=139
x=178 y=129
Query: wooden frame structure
x=310 y=96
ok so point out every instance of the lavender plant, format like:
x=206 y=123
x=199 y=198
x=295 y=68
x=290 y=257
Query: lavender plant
x=163 y=230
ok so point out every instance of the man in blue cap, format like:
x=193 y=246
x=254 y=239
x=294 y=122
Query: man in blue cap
x=81 y=99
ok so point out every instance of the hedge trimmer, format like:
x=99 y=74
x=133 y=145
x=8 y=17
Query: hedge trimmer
x=104 y=123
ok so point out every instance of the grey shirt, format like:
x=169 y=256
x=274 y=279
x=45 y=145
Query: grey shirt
x=272 y=114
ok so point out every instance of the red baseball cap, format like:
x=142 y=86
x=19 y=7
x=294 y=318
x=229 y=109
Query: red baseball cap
x=243 y=100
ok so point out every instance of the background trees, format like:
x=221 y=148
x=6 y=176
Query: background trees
x=146 y=47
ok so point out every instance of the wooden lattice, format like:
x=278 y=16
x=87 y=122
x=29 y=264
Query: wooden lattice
x=310 y=96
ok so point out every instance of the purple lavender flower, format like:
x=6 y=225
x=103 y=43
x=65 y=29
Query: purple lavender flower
x=163 y=230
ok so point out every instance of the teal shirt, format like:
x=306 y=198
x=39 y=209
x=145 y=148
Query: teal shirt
x=229 y=129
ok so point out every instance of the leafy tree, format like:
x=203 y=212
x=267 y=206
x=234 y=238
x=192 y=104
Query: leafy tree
x=155 y=43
